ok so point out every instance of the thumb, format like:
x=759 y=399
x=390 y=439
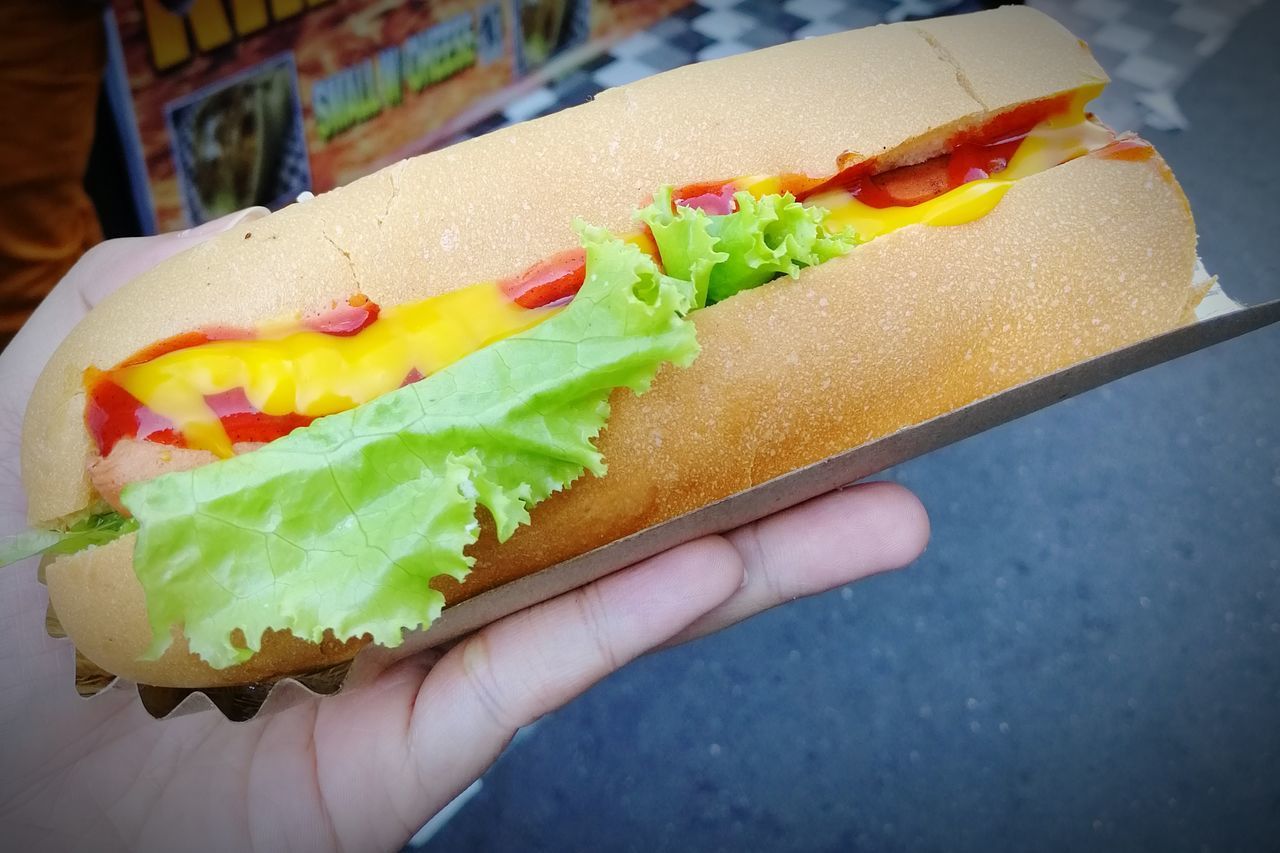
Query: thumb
x=421 y=734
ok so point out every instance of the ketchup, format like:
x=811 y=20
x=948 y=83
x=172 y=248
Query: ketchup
x=973 y=154
x=558 y=277
x=345 y=320
x=185 y=340
x=908 y=186
x=243 y=422
x=714 y=197
x=1015 y=122
x=905 y=186
x=112 y=413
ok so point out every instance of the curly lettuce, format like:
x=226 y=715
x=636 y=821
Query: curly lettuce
x=97 y=529
x=343 y=525
x=725 y=254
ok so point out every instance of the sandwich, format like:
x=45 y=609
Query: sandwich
x=317 y=431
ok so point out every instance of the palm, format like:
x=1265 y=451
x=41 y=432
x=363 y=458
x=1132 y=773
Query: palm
x=361 y=770
x=295 y=778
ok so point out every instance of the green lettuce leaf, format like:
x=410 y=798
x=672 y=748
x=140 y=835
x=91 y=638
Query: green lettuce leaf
x=342 y=525
x=97 y=529
x=728 y=253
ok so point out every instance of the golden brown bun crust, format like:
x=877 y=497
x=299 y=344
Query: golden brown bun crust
x=492 y=206
x=906 y=327
x=1074 y=262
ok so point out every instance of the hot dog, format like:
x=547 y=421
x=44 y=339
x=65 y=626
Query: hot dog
x=821 y=243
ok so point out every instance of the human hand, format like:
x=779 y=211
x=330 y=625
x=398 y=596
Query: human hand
x=361 y=770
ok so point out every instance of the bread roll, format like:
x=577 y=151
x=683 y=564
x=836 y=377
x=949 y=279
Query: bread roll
x=1074 y=262
x=493 y=206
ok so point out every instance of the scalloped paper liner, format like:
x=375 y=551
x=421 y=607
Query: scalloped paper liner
x=1219 y=318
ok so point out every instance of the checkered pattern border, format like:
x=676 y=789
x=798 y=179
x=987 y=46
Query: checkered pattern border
x=1149 y=47
x=293 y=172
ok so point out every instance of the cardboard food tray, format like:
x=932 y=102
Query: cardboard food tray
x=1218 y=319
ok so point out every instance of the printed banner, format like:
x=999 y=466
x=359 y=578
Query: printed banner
x=230 y=103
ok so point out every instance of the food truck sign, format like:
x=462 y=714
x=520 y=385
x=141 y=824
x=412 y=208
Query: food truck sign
x=229 y=103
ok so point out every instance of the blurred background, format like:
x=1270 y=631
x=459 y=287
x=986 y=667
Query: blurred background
x=127 y=117
x=1087 y=657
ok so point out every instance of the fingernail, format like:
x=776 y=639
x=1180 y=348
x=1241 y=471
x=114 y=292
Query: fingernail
x=225 y=223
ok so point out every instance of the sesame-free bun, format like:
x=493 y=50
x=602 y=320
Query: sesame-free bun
x=492 y=206
x=1074 y=262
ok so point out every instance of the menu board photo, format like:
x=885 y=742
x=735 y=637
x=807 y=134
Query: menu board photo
x=223 y=104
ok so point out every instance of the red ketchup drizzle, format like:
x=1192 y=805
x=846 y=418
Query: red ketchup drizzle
x=1015 y=122
x=184 y=341
x=558 y=277
x=714 y=197
x=343 y=321
x=112 y=413
x=975 y=153
x=907 y=186
x=243 y=422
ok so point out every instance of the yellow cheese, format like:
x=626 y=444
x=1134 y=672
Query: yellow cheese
x=1051 y=143
x=314 y=374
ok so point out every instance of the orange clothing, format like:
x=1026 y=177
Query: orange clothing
x=52 y=54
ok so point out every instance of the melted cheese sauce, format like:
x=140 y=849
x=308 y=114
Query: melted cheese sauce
x=1051 y=143
x=313 y=374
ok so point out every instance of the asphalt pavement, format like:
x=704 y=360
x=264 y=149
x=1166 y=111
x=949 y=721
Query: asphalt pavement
x=1087 y=657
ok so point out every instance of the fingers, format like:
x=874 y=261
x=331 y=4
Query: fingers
x=531 y=663
x=422 y=733
x=445 y=730
x=825 y=543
